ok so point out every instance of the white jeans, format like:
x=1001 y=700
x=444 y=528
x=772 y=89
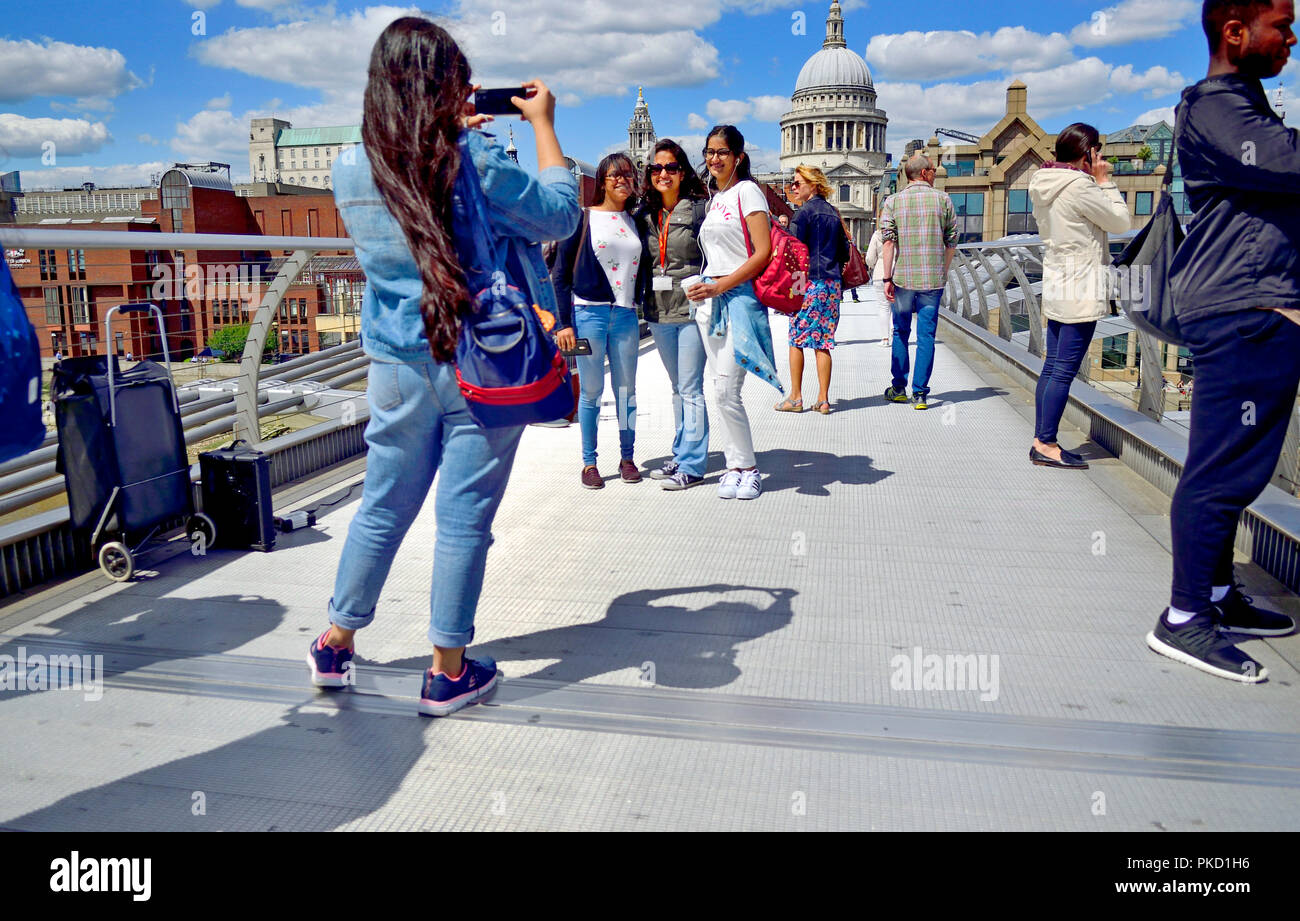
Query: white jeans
x=728 y=379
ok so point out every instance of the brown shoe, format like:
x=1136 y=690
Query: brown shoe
x=592 y=479
x=627 y=470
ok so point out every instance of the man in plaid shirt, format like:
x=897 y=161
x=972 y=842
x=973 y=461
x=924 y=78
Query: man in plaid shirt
x=919 y=229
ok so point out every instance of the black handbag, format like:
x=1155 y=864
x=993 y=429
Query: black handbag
x=1141 y=282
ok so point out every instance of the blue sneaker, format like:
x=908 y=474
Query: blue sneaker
x=441 y=696
x=331 y=667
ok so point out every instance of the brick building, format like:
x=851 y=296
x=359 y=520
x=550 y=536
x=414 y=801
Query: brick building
x=68 y=291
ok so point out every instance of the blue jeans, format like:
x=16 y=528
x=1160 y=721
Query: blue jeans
x=1067 y=344
x=926 y=306
x=682 y=351
x=419 y=426
x=616 y=332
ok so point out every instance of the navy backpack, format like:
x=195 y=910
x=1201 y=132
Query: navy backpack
x=510 y=371
x=20 y=375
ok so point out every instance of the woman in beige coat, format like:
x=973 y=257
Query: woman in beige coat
x=875 y=259
x=1076 y=205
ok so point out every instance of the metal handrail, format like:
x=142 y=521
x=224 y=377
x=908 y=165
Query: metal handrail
x=337 y=365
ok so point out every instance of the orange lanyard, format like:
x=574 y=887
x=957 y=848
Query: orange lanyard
x=663 y=239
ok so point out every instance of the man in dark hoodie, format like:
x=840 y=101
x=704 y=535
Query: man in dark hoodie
x=1236 y=292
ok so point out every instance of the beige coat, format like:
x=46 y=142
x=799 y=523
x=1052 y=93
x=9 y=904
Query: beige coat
x=875 y=257
x=1074 y=216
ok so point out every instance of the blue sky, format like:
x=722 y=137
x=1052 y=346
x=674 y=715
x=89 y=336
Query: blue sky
x=114 y=92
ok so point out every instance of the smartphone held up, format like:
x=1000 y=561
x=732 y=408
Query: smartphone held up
x=497 y=101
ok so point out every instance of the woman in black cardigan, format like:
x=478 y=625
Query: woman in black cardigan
x=602 y=276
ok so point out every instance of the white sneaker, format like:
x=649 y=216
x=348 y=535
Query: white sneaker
x=728 y=485
x=751 y=484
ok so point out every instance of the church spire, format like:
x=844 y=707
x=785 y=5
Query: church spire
x=835 y=27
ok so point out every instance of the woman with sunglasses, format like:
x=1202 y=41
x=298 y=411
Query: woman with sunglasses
x=601 y=274
x=737 y=243
x=676 y=202
x=818 y=226
x=1075 y=204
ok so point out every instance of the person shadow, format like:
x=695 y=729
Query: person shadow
x=144 y=630
x=809 y=473
x=314 y=771
x=679 y=637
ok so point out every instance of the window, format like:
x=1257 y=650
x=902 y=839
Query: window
x=216 y=312
x=1114 y=352
x=845 y=192
x=53 y=307
x=1142 y=203
x=1020 y=213
x=970 y=216
x=77 y=264
x=80 y=303
x=284 y=311
x=959 y=167
x=49 y=264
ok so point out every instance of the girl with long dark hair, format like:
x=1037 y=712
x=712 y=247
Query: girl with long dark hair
x=601 y=275
x=394 y=192
x=1075 y=204
x=675 y=205
x=737 y=242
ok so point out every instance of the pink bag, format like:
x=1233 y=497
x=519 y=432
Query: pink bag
x=784 y=282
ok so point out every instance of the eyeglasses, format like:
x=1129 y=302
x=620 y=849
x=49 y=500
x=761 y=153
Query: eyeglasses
x=656 y=168
x=717 y=154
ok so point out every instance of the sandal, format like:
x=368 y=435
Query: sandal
x=789 y=406
x=823 y=407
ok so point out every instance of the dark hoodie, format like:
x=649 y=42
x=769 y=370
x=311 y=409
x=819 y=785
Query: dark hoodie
x=1241 y=170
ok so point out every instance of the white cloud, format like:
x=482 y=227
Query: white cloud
x=697 y=122
x=728 y=111
x=1151 y=116
x=213 y=134
x=26 y=137
x=220 y=102
x=122 y=175
x=769 y=108
x=147 y=139
x=29 y=69
x=1134 y=21
x=597 y=50
x=938 y=55
x=1156 y=81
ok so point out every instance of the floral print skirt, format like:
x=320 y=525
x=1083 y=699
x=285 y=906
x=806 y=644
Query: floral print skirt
x=813 y=327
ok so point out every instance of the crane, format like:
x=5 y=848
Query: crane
x=959 y=135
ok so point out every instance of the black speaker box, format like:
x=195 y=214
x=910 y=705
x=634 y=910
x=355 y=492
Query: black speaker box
x=237 y=496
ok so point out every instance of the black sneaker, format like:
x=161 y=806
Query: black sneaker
x=895 y=396
x=1198 y=643
x=665 y=472
x=682 y=480
x=1237 y=613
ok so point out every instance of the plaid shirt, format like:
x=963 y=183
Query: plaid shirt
x=922 y=222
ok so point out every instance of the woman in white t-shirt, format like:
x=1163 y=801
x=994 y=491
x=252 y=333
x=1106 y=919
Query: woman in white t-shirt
x=601 y=273
x=875 y=259
x=733 y=323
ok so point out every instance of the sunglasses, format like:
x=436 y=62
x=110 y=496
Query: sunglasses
x=717 y=154
x=616 y=177
x=656 y=168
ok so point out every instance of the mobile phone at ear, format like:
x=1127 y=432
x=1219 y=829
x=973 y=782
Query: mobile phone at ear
x=580 y=347
x=497 y=102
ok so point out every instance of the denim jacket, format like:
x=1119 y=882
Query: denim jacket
x=524 y=213
x=751 y=334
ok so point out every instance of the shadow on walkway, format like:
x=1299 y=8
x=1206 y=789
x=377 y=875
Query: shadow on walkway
x=665 y=634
